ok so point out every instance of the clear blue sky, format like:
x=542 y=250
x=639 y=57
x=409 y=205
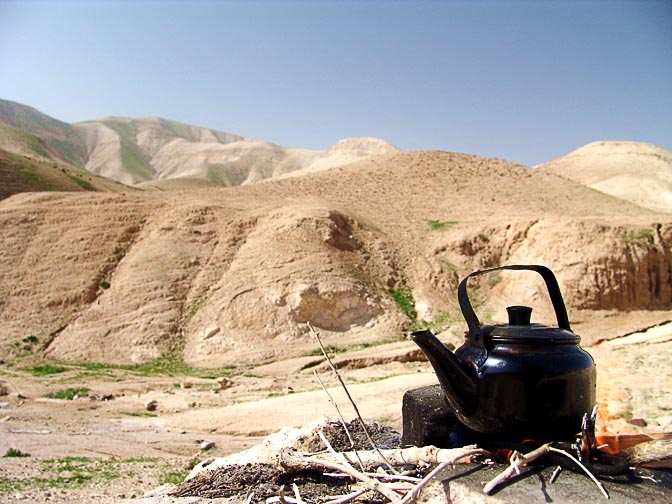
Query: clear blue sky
x=521 y=80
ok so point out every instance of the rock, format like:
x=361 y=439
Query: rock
x=151 y=405
x=207 y=445
x=428 y=420
x=224 y=382
x=211 y=331
x=464 y=485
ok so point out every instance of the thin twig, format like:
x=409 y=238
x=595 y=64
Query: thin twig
x=584 y=468
x=347 y=393
x=338 y=456
x=347 y=498
x=517 y=461
x=302 y=463
x=382 y=476
x=394 y=477
x=282 y=500
x=343 y=422
x=341 y=458
x=297 y=494
x=555 y=474
x=410 y=496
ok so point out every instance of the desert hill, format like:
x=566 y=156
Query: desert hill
x=150 y=151
x=364 y=251
x=19 y=173
x=634 y=171
x=25 y=130
x=156 y=153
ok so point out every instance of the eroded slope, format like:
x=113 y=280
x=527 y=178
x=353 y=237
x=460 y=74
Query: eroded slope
x=231 y=275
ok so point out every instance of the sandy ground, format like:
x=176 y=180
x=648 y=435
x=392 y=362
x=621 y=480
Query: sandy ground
x=107 y=446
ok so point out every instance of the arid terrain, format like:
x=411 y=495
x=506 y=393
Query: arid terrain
x=199 y=299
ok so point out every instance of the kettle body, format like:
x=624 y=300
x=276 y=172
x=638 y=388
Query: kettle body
x=519 y=380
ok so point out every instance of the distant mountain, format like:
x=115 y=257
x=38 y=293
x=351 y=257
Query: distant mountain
x=19 y=173
x=634 y=171
x=157 y=152
x=24 y=130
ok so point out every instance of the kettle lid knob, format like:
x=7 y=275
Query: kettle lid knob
x=519 y=315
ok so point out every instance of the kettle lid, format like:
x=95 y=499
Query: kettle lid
x=520 y=330
x=519 y=326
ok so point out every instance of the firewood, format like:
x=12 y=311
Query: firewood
x=347 y=393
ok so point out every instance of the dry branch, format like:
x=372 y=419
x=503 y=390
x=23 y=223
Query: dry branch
x=343 y=422
x=518 y=460
x=584 y=468
x=413 y=455
x=410 y=496
x=347 y=393
x=295 y=462
x=347 y=498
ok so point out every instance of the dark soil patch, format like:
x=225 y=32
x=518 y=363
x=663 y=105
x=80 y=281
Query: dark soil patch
x=260 y=481
x=383 y=436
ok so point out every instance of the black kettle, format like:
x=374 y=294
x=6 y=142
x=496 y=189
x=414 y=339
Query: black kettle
x=519 y=380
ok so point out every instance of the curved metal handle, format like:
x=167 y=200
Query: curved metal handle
x=475 y=333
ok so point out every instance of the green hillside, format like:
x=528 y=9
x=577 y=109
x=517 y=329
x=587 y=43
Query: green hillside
x=20 y=173
x=57 y=140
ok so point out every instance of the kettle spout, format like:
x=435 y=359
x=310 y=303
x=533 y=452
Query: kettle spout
x=459 y=384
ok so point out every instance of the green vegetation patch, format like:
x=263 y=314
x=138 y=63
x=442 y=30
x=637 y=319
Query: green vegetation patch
x=330 y=349
x=132 y=161
x=69 y=149
x=33 y=178
x=12 y=452
x=167 y=365
x=404 y=299
x=77 y=472
x=46 y=369
x=196 y=306
x=82 y=183
x=438 y=225
x=441 y=320
x=69 y=393
x=26 y=344
x=173 y=477
x=641 y=236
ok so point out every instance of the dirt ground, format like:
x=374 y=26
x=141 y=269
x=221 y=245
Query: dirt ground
x=108 y=444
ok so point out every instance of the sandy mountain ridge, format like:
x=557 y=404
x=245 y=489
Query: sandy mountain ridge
x=231 y=275
x=634 y=171
x=159 y=153
x=148 y=151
